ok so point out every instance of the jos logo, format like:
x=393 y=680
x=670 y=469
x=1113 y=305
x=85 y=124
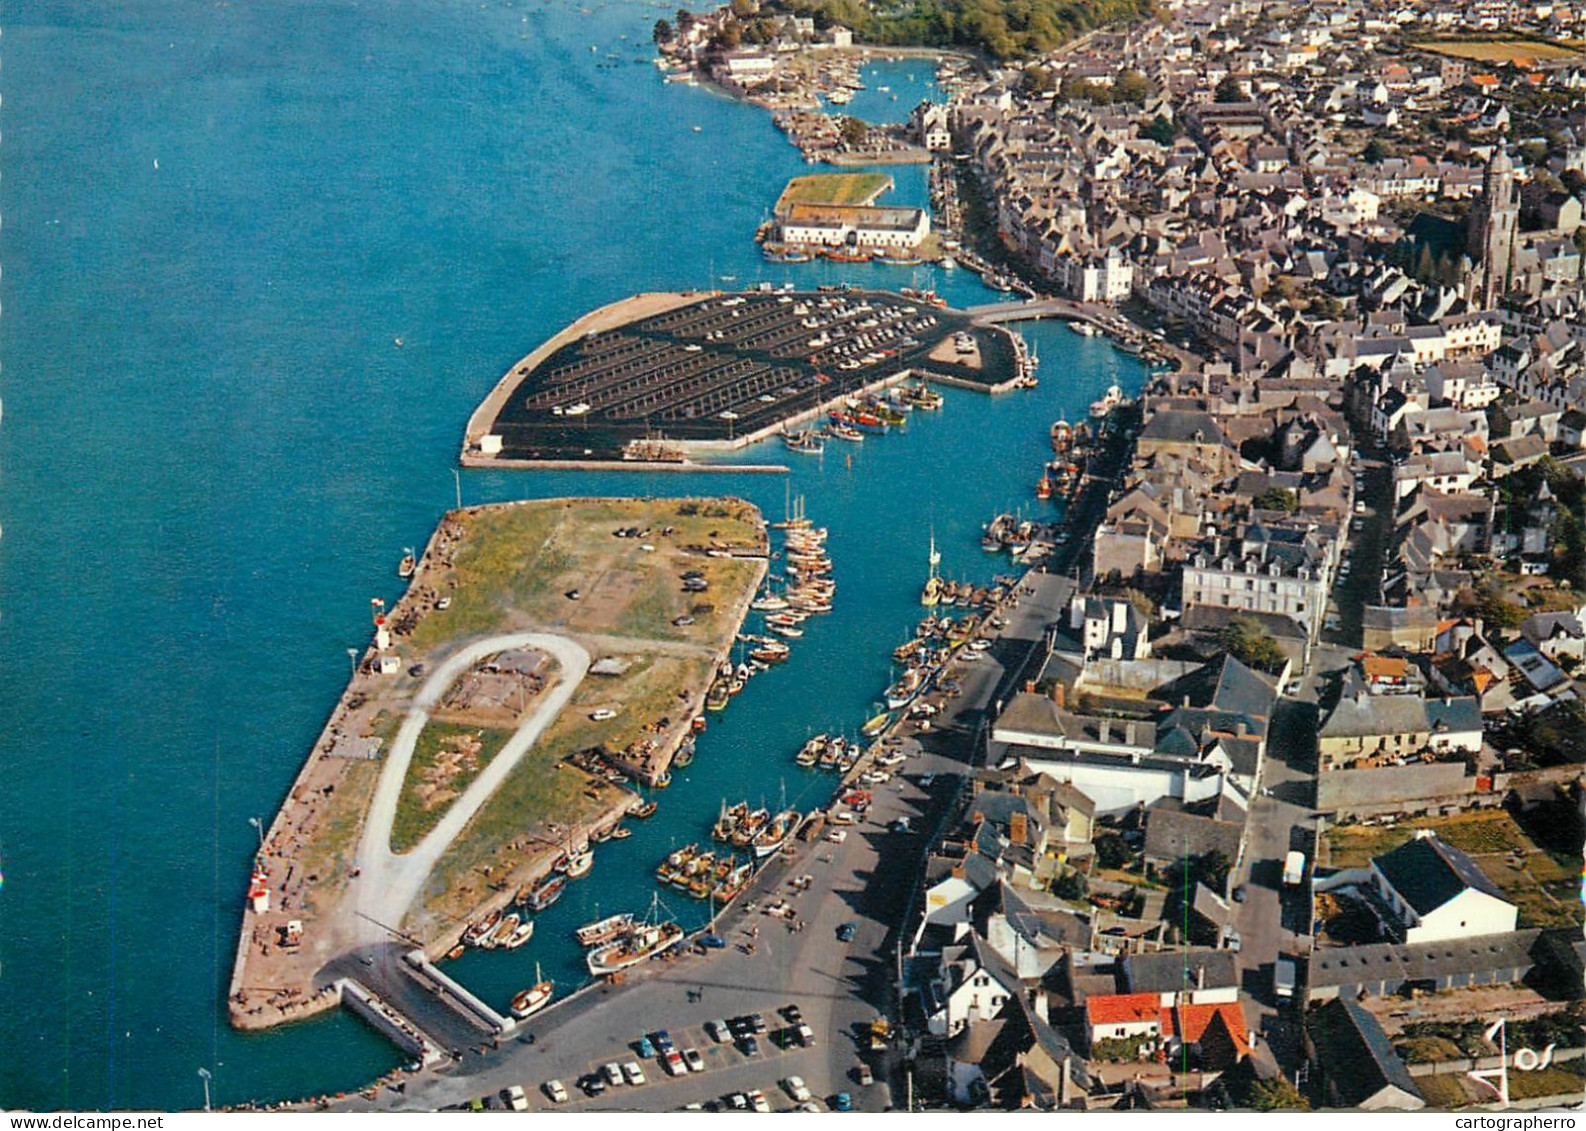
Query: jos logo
x=1525 y=1060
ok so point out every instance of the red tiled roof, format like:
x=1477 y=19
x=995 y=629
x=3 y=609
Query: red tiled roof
x=1122 y=1009
x=1192 y=1021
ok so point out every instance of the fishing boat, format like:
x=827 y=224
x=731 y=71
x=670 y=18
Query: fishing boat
x=621 y=833
x=1083 y=329
x=847 y=432
x=502 y=932
x=474 y=934
x=1043 y=487
x=932 y=592
x=684 y=758
x=768 y=602
x=603 y=930
x=642 y=810
x=1062 y=437
x=792 y=632
x=663 y=779
x=775 y=834
x=808 y=441
x=456 y=951
x=876 y=725
x=408 y=565
x=717 y=697
x=535 y=998
x=547 y=892
x=520 y=935
x=643 y=941
x=810 y=752
x=579 y=863
x=1109 y=400
x=901 y=693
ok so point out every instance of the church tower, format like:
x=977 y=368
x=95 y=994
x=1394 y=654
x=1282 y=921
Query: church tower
x=1494 y=220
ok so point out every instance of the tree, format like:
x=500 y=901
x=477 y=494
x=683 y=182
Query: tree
x=1374 y=152
x=1573 y=180
x=1230 y=90
x=1132 y=86
x=1276 y=1094
x=1037 y=79
x=1112 y=851
x=854 y=131
x=662 y=32
x=1246 y=641
x=1211 y=869
x=1162 y=132
x=1070 y=885
x=1276 y=499
x=743 y=8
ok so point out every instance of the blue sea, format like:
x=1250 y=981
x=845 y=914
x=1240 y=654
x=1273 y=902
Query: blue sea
x=219 y=218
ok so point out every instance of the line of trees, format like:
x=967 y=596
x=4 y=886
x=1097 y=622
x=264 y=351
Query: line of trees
x=1004 y=29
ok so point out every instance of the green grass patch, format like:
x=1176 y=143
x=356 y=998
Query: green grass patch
x=329 y=854
x=446 y=758
x=833 y=188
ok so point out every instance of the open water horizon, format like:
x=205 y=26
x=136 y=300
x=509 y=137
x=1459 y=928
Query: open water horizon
x=219 y=219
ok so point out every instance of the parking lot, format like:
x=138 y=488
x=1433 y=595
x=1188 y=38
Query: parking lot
x=724 y=367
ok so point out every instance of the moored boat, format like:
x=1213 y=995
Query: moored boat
x=547 y=892
x=603 y=930
x=535 y=998
x=640 y=944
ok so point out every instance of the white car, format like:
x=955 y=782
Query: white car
x=613 y=1073
x=795 y=1088
x=837 y=836
x=516 y=1100
x=556 y=1091
x=603 y=714
x=758 y=1101
x=633 y=1072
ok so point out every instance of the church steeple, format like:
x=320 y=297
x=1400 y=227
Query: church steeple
x=1494 y=221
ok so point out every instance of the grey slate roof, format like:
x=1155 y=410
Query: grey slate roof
x=1428 y=873
x=1169 y=971
x=1376 y=962
x=1355 y=1053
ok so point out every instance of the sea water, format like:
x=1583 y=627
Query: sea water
x=261 y=262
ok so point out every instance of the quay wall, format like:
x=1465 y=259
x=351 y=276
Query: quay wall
x=387 y=1022
x=478 y=461
x=459 y=997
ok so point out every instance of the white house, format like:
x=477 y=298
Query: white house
x=973 y=987
x=1437 y=892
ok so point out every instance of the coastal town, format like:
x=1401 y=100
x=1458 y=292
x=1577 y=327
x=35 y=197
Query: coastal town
x=1252 y=781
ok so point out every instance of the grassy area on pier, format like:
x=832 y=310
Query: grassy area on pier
x=833 y=188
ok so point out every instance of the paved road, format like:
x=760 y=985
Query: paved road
x=391 y=882
x=1282 y=819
